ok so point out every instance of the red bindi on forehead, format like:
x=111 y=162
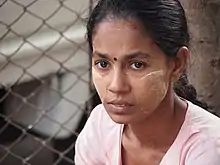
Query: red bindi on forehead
x=134 y=26
x=115 y=59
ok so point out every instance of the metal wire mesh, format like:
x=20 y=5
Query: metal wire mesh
x=45 y=91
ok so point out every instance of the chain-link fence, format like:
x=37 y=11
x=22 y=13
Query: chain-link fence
x=45 y=92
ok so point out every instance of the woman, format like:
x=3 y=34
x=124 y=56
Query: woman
x=139 y=50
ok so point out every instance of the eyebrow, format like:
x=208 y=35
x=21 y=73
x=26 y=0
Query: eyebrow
x=100 y=55
x=126 y=56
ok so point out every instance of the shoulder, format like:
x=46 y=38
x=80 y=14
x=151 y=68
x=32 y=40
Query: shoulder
x=204 y=150
x=99 y=126
x=203 y=144
x=106 y=128
x=98 y=122
x=100 y=118
x=92 y=142
x=203 y=121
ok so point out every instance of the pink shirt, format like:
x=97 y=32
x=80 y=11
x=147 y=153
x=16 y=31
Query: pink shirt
x=99 y=143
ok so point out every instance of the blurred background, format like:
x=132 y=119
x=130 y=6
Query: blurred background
x=46 y=93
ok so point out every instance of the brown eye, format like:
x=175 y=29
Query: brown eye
x=102 y=64
x=138 y=65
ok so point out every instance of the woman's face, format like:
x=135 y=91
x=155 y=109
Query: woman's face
x=130 y=72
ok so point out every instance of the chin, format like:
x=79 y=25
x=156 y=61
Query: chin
x=121 y=119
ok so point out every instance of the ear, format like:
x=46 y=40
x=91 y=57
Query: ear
x=180 y=63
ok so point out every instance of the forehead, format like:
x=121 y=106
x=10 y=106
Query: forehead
x=114 y=25
x=121 y=37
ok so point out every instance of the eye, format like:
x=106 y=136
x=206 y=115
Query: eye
x=102 y=64
x=138 y=65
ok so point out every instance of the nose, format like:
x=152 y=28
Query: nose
x=119 y=83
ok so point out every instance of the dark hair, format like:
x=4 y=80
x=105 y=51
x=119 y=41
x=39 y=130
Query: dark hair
x=164 y=21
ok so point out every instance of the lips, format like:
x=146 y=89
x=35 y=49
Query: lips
x=119 y=106
x=120 y=103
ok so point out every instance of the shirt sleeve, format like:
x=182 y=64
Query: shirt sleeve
x=88 y=147
x=204 y=152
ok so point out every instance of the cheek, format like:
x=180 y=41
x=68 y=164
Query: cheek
x=100 y=85
x=151 y=90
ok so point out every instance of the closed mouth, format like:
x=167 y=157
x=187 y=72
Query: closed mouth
x=120 y=103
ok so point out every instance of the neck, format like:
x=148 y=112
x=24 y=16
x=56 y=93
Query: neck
x=162 y=127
